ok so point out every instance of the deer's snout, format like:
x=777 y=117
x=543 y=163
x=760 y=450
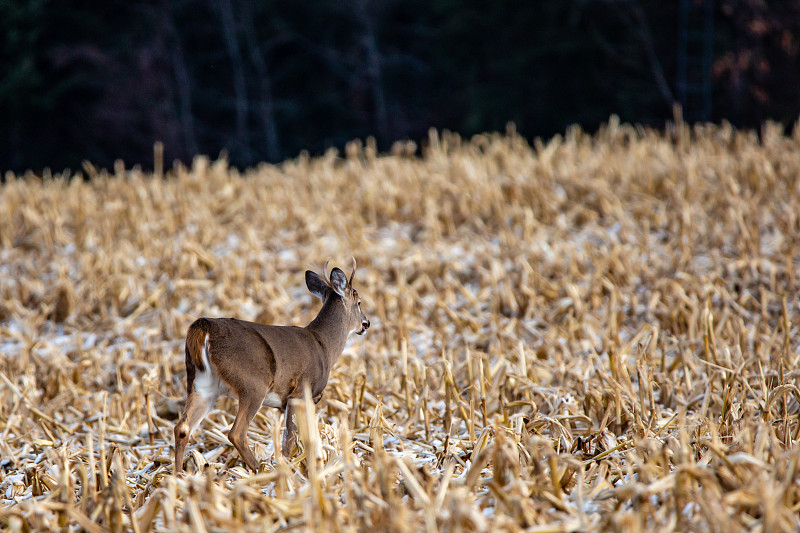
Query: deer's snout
x=364 y=326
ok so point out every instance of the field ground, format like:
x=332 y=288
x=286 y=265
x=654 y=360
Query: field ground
x=595 y=333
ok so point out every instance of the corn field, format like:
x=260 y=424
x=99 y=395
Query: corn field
x=591 y=333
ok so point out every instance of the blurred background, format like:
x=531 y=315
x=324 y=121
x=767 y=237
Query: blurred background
x=266 y=80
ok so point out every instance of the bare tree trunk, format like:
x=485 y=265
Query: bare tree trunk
x=266 y=104
x=635 y=20
x=650 y=50
x=184 y=89
x=374 y=72
x=239 y=82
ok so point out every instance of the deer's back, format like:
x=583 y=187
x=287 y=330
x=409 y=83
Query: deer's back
x=248 y=354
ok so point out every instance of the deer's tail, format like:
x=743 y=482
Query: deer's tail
x=195 y=342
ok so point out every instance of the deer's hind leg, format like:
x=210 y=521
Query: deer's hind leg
x=197 y=407
x=204 y=387
x=249 y=405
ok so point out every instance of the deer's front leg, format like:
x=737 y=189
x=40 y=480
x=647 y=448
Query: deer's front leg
x=290 y=434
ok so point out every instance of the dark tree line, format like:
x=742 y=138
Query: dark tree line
x=265 y=80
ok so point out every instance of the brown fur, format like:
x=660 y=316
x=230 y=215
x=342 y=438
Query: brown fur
x=191 y=370
x=254 y=360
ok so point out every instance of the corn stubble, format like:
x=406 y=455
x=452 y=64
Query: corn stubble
x=596 y=333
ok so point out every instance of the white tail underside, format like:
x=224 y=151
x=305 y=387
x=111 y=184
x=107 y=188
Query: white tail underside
x=207 y=383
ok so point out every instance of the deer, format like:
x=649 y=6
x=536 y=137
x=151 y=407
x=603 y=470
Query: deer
x=267 y=365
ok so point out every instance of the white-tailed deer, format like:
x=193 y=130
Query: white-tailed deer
x=266 y=365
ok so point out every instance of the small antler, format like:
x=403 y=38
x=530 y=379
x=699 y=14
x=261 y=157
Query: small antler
x=325 y=271
x=353 y=273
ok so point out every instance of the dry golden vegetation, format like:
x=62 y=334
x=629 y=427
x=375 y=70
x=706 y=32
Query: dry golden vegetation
x=593 y=333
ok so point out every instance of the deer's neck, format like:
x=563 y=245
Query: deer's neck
x=330 y=325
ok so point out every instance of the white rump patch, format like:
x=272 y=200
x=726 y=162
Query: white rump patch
x=272 y=400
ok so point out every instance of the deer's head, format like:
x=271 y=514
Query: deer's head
x=339 y=287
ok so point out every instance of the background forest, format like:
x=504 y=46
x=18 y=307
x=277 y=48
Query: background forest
x=265 y=80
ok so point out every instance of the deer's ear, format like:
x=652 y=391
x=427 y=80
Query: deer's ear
x=339 y=281
x=316 y=284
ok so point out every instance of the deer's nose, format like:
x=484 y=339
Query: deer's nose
x=365 y=324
